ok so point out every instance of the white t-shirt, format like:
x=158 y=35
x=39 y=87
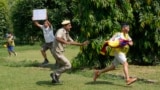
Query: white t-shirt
x=48 y=34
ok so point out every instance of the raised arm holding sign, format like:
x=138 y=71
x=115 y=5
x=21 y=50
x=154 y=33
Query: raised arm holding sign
x=47 y=29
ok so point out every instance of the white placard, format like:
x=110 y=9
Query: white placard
x=39 y=14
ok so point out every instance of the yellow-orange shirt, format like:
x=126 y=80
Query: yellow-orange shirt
x=115 y=39
x=10 y=41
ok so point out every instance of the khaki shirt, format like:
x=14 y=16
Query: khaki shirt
x=61 y=33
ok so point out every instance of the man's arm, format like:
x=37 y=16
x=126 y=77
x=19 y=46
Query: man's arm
x=71 y=43
x=130 y=43
x=37 y=24
x=79 y=44
x=61 y=40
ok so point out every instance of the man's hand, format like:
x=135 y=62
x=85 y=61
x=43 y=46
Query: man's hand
x=76 y=43
x=130 y=43
x=85 y=43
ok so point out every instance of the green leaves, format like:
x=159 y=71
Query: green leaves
x=103 y=18
x=146 y=19
x=97 y=20
x=147 y=25
x=24 y=28
x=4 y=16
x=102 y=3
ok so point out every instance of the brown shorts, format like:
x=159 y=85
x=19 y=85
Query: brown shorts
x=46 y=46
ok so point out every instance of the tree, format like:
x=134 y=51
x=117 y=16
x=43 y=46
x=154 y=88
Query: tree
x=99 y=19
x=22 y=17
x=146 y=32
x=4 y=19
x=5 y=23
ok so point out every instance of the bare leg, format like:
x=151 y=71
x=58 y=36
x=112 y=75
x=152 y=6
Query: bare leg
x=97 y=73
x=45 y=62
x=9 y=53
x=128 y=79
x=125 y=70
x=112 y=67
x=14 y=53
x=44 y=54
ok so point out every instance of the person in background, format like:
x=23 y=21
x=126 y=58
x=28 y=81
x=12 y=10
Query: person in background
x=10 y=44
x=48 y=34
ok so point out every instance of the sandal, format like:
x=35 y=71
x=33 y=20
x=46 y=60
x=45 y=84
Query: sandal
x=131 y=80
x=96 y=75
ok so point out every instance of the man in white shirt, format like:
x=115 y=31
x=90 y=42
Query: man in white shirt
x=49 y=38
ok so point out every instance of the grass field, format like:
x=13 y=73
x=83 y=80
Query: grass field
x=23 y=73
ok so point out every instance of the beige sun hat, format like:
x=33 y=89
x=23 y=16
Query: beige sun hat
x=65 y=22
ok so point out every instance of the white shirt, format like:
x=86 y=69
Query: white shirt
x=120 y=35
x=48 y=33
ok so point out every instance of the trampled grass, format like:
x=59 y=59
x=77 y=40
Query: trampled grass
x=23 y=73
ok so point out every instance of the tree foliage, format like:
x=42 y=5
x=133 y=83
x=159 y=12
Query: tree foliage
x=146 y=31
x=99 y=19
x=4 y=17
x=22 y=17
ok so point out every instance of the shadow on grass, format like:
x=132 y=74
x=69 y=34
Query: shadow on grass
x=24 y=63
x=47 y=83
x=27 y=63
x=106 y=83
x=98 y=82
x=51 y=66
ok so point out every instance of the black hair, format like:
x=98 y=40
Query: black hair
x=124 y=25
x=10 y=33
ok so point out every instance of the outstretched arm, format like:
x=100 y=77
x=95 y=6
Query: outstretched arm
x=71 y=43
x=79 y=44
x=37 y=24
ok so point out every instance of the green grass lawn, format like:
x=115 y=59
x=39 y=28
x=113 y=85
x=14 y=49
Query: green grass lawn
x=23 y=73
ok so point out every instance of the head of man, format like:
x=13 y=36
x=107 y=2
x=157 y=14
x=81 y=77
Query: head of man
x=46 y=24
x=9 y=35
x=66 y=25
x=125 y=28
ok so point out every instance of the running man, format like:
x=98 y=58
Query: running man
x=119 y=54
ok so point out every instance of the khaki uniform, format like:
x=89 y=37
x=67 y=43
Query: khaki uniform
x=58 y=49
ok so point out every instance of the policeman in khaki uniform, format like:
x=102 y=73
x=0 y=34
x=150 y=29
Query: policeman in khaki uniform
x=62 y=38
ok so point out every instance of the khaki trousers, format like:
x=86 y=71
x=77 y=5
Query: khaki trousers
x=63 y=63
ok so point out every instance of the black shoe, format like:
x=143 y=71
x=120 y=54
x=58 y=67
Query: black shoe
x=54 y=78
x=45 y=62
x=57 y=78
